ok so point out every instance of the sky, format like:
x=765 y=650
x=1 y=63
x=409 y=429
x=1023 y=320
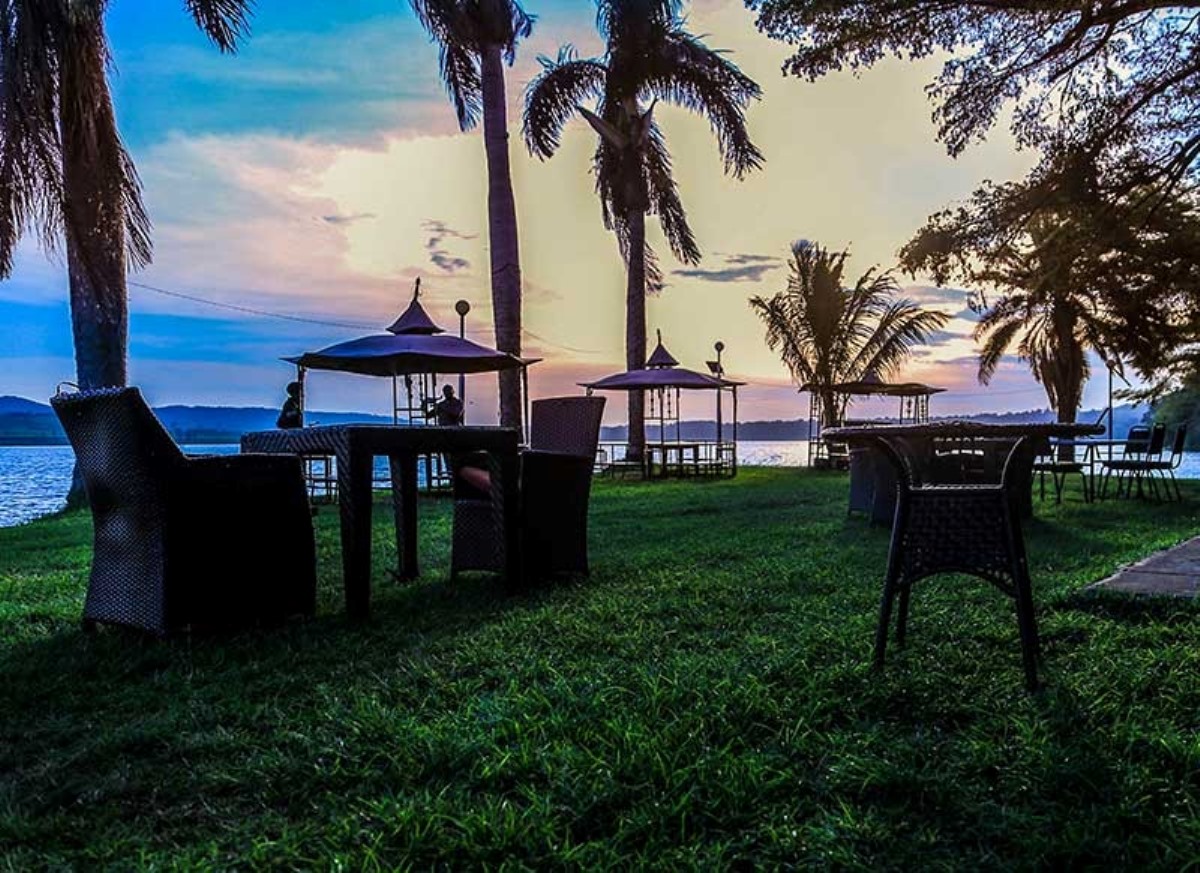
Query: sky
x=319 y=171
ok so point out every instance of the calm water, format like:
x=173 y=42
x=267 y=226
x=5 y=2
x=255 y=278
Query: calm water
x=34 y=479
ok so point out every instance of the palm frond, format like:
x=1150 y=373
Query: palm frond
x=664 y=198
x=687 y=73
x=464 y=82
x=553 y=96
x=995 y=346
x=223 y=21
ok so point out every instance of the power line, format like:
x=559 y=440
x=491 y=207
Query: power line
x=265 y=313
x=249 y=310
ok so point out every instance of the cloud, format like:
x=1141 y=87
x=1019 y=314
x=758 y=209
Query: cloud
x=439 y=232
x=738 y=267
x=351 y=218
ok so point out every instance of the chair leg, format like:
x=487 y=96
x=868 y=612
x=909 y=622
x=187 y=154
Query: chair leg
x=1026 y=623
x=885 y=616
x=902 y=615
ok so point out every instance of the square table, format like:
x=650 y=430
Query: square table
x=357 y=445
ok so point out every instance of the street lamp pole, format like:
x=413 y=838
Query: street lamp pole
x=462 y=307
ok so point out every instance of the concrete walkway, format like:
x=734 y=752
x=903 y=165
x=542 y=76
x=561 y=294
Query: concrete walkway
x=1172 y=573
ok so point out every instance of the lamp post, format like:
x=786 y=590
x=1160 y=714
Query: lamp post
x=462 y=307
x=719 y=372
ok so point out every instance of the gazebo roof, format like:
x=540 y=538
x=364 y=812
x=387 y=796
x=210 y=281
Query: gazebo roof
x=660 y=357
x=414 y=320
x=661 y=371
x=660 y=377
x=399 y=354
x=413 y=344
x=871 y=384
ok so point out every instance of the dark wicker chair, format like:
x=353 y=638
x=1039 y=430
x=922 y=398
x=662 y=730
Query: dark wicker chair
x=968 y=529
x=556 y=481
x=181 y=542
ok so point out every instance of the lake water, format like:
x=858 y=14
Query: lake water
x=34 y=479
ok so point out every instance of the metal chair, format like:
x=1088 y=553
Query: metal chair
x=185 y=542
x=1143 y=450
x=555 y=482
x=969 y=529
x=1166 y=468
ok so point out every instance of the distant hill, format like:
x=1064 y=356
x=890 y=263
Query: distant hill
x=25 y=422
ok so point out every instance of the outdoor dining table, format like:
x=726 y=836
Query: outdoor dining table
x=920 y=443
x=356 y=446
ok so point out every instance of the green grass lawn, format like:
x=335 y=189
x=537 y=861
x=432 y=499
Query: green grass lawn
x=704 y=699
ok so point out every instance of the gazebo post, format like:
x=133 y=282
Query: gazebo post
x=395 y=400
x=735 y=429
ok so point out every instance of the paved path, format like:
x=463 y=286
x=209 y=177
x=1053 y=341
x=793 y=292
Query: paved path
x=1173 y=573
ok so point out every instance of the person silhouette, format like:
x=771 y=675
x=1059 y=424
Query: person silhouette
x=448 y=412
x=292 y=414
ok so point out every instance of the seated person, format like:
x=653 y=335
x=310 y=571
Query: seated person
x=292 y=415
x=448 y=412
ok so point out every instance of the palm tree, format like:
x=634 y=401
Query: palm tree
x=64 y=172
x=828 y=333
x=476 y=38
x=1052 y=320
x=649 y=57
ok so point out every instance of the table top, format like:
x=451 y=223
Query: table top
x=382 y=438
x=962 y=429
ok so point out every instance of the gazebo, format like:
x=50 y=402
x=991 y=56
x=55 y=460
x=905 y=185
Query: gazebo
x=913 y=400
x=662 y=381
x=414 y=350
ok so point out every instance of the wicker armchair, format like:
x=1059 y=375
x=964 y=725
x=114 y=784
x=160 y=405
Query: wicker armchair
x=969 y=529
x=206 y=542
x=556 y=481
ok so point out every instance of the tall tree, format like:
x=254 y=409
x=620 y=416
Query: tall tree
x=1116 y=79
x=827 y=332
x=476 y=39
x=1078 y=273
x=64 y=172
x=648 y=57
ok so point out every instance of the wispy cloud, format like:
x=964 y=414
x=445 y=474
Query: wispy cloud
x=351 y=218
x=439 y=256
x=736 y=267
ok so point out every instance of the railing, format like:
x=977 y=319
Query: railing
x=670 y=459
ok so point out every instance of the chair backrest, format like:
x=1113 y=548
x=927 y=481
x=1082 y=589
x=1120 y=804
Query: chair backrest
x=1158 y=441
x=1177 y=445
x=570 y=425
x=124 y=453
x=1137 y=440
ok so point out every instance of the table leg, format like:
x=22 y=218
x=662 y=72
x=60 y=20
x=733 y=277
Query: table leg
x=354 y=501
x=404 y=504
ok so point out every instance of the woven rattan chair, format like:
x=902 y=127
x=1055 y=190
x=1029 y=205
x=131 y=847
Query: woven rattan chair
x=556 y=481
x=181 y=542
x=968 y=529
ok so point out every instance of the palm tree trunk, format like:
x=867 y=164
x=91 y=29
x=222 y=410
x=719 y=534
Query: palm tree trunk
x=635 y=328
x=94 y=230
x=502 y=232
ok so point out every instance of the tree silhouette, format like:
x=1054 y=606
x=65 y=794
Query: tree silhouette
x=827 y=332
x=648 y=57
x=476 y=38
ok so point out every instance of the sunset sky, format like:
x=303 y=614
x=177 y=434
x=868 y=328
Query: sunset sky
x=320 y=170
